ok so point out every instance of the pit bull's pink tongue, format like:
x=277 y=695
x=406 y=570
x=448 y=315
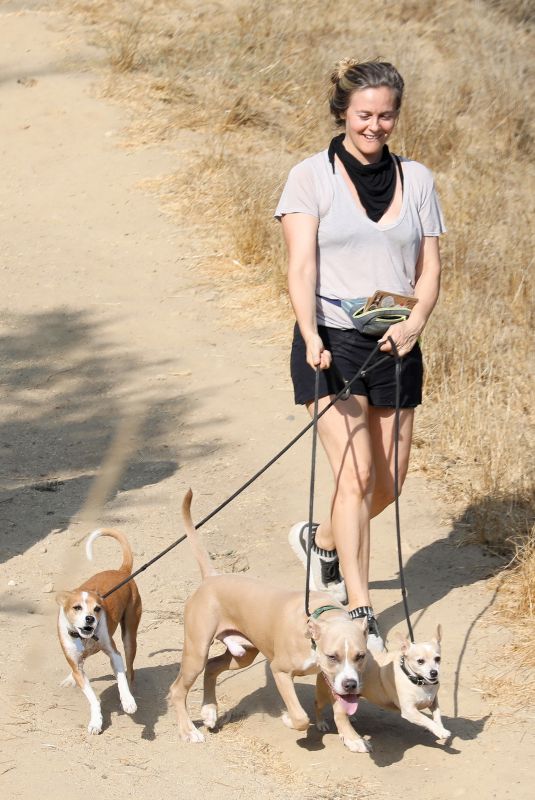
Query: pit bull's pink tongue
x=350 y=703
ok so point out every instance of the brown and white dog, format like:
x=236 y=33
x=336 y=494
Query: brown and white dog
x=407 y=680
x=251 y=616
x=86 y=624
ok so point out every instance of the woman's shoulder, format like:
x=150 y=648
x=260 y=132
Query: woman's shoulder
x=314 y=165
x=419 y=172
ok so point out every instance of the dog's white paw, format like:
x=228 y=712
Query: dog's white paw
x=68 y=682
x=209 y=715
x=323 y=725
x=357 y=745
x=129 y=705
x=443 y=733
x=192 y=735
x=95 y=726
x=295 y=725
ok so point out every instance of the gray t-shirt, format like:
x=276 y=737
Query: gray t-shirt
x=355 y=256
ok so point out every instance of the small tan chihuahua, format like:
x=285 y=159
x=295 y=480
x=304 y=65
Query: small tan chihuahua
x=407 y=680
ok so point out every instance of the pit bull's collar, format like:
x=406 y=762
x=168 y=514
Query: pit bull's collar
x=418 y=680
x=76 y=635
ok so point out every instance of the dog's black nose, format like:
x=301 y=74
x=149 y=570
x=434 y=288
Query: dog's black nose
x=89 y=619
x=349 y=685
x=433 y=673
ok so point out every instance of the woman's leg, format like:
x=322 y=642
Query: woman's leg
x=345 y=436
x=382 y=430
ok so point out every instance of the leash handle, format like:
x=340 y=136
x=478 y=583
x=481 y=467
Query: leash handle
x=312 y=482
x=396 y=484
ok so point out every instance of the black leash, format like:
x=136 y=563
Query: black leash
x=342 y=394
x=396 y=484
x=396 y=487
x=312 y=481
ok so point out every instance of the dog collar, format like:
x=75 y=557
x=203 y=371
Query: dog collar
x=418 y=680
x=322 y=609
x=76 y=635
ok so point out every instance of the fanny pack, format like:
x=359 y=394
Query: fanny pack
x=368 y=318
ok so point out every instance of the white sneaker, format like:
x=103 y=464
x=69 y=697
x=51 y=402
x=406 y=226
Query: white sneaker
x=324 y=575
x=375 y=640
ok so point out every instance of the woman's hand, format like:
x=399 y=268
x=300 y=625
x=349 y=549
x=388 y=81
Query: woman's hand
x=404 y=336
x=317 y=355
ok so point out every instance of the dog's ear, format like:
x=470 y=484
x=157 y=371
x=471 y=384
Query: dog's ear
x=438 y=636
x=402 y=641
x=62 y=597
x=313 y=630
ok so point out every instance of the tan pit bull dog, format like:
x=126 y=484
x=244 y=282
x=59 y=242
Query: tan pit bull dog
x=251 y=616
x=86 y=624
x=407 y=680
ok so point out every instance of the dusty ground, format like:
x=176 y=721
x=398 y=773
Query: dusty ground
x=106 y=324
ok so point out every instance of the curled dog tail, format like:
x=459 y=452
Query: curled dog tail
x=128 y=558
x=199 y=550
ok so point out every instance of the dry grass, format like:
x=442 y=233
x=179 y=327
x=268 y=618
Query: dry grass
x=242 y=86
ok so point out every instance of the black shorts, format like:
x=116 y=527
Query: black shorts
x=350 y=349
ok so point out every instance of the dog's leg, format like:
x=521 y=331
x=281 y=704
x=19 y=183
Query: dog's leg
x=116 y=660
x=68 y=682
x=214 y=667
x=295 y=715
x=413 y=715
x=347 y=732
x=321 y=700
x=129 y=626
x=437 y=719
x=194 y=657
x=95 y=722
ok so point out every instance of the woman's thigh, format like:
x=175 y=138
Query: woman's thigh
x=345 y=436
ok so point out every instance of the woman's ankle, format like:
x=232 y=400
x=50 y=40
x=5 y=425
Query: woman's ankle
x=323 y=540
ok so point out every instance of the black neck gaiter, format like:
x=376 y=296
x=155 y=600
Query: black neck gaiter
x=375 y=183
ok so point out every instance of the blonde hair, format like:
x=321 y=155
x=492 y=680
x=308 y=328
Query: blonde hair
x=349 y=76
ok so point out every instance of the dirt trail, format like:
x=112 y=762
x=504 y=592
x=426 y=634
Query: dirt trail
x=105 y=318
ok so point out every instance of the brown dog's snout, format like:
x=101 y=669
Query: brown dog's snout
x=349 y=685
x=89 y=619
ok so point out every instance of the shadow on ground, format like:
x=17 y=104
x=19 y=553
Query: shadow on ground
x=66 y=390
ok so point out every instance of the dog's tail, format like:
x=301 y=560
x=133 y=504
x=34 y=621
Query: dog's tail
x=199 y=550
x=128 y=558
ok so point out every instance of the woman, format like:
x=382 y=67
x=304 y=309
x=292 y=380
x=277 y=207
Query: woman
x=355 y=220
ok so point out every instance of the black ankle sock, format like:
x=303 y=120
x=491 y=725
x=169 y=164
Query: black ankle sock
x=327 y=555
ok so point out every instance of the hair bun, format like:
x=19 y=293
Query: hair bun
x=342 y=67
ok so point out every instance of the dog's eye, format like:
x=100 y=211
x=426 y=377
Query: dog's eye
x=437 y=660
x=333 y=659
x=77 y=608
x=421 y=661
x=96 y=609
x=360 y=656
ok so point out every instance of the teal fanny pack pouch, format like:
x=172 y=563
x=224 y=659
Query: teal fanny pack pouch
x=375 y=322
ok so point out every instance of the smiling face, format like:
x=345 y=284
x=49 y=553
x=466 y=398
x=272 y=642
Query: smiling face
x=369 y=120
x=82 y=611
x=424 y=659
x=341 y=652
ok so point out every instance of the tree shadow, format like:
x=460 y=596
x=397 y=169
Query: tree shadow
x=66 y=390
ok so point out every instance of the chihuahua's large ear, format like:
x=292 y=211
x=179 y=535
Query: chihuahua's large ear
x=402 y=641
x=61 y=598
x=438 y=636
x=313 y=630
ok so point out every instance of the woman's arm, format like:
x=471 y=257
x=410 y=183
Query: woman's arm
x=300 y=232
x=405 y=334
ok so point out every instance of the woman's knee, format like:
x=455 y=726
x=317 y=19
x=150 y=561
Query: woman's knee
x=355 y=483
